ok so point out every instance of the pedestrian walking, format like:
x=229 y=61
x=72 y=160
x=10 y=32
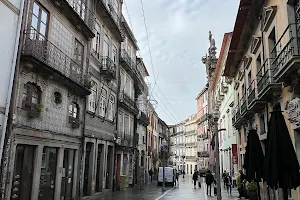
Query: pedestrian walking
x=242 y=188
x=150 y=174
x=177 y=178
x=209 y=179
x=228 y=182
x=183 y=173
x=195 y=178
x=223 y=178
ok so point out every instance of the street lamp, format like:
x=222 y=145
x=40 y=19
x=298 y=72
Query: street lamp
x=216 y=116
x=163 y=148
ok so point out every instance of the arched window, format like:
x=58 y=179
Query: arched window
x=74 y=110
x=31 y=96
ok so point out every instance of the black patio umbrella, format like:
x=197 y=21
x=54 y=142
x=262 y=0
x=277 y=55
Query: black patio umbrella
x=281 y=163
x=254 y=159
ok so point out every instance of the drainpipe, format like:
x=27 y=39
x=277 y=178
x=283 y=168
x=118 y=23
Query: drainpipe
x=10 y=99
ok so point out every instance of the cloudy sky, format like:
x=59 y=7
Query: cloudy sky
x=178 y=37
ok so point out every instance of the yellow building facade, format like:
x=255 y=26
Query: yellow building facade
x=264 y=62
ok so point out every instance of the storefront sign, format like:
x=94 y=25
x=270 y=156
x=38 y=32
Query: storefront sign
x=234 y=154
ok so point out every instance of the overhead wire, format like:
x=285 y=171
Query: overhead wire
x=152 y=66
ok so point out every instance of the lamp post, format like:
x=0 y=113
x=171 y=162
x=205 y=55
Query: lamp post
x=216 y=116
x=163 y=148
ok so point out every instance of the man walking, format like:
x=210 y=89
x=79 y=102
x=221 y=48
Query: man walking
x=209 y=179
x=150 y=174
x=195 y=178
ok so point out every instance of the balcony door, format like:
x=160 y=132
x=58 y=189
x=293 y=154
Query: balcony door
x=297 y=17
x=67 y=174
x=39 y=21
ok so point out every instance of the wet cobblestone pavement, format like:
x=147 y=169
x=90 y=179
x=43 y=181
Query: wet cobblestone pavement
x=185 y=190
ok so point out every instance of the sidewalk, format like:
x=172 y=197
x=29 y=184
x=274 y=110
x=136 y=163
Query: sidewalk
x=149 y=191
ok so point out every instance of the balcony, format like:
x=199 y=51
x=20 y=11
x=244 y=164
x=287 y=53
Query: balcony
x=109 y=14
x=266 y=85
x=238 y=117
x=124 y=140
x=128 y=103
x=254 y=103
x=49 y=60
x=286 y=54
x=108 y=68
x=243 y=104
x=233 y=116
x=144 y=119
x=190 y=158
x=78 y=14
x=191 y=144
x=224 y=88
x=203 y=154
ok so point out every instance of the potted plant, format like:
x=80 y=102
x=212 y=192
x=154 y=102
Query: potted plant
x=238 y=182
x=35 y=110
x=251 y=188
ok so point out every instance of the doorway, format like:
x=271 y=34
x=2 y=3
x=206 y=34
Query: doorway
x=118 y=168
x=48 y=173
x=108 y=167
x=23 y=170
x=87 y=168
x=99 y=168
x=67 y=174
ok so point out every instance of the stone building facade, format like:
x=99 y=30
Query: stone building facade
x=265 y=72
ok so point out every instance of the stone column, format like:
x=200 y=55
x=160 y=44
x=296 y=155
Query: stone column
x=37 y=172
x=59 y=164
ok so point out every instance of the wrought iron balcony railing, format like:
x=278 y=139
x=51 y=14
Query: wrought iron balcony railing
x=238 y=112
x=125 y=140
x=128 y=102
x=203 y=154
x=286 y=48
x=79 y=14
x=252 y=92
x=108 y=68
x=43 y=51
x=233 y=115
x=243 y=104
x=265 y=76
x=144 y=118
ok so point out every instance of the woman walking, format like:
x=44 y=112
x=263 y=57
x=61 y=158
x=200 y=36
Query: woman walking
x=228 y=182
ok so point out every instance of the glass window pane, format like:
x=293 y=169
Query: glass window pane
x=43 y=29
x=34 y=22
x=34 y=100
x=71 y=109
x=36 y=9
x=44 y=17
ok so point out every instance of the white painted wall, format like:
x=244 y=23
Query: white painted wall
x=8 y=31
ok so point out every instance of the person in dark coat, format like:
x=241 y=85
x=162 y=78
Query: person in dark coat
x=242 y=188
x=195 y=178
x=150 y=174
x=228 y=183
x=223 y=177
x=209 y=179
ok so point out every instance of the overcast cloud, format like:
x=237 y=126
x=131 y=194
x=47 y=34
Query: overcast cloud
x=178 y=35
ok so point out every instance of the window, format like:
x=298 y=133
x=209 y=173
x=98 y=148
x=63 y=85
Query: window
x=249 y=81
x=111 y=105
x=121 y=123
x=31 y=96
x=126 y=124
x=57 y=98
x=92 y=97
x=262 y=124
x=78 y=52
x=106 y=46
x=115 y=52
x=39 y=20
x=73 y=110
x=102 y=102
x=131 y=126
x=96 y=41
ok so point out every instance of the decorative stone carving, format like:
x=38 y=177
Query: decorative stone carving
x=268 y=16
x=255 y=44
x=247 y=61
x=293 y=110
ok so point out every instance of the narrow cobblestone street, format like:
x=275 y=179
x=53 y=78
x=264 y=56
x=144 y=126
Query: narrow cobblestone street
x=185 y=190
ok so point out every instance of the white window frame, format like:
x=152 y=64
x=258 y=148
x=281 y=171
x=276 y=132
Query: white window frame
x=111 y=107
x=97 y=40
x=92 y=97
x=102 y=103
